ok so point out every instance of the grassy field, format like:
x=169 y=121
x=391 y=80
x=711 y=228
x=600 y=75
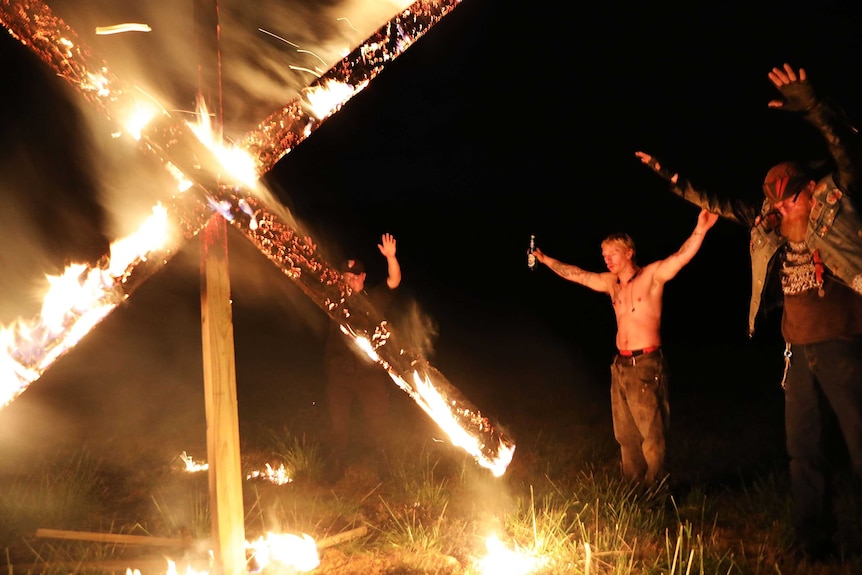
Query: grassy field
x=560 y=508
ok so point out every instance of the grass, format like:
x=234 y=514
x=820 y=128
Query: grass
x=562 y=504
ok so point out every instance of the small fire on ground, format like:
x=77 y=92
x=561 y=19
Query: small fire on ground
x=273 y=552
x=278 y=475
x=504 y=560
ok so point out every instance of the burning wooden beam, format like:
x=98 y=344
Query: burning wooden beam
x=85 y=294
x=283 y=130
x=260 y=218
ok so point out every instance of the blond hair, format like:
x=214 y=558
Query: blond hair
x=620 y=239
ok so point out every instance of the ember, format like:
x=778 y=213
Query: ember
x=192 y=466
x=279 y=476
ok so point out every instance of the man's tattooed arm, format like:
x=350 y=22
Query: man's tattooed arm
x=577 y=275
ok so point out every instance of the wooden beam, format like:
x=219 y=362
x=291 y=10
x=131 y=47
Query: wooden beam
x=119 y=566
x=340 y=538
x=113 y=538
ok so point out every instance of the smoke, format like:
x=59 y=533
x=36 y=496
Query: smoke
x=269 y=50
x=272 y=50
x=416 y=327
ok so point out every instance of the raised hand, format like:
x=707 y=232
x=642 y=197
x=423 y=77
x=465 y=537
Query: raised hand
x=705 y=220
x=797 y=94
x=657 y=167
x=387 y=245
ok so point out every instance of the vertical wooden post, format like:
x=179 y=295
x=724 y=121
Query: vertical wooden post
x=225 y=474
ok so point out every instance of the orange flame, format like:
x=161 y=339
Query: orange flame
x=278 y=476
x=502 y=560
x=192 y=466
x=82 y=296
x=236 y=161
x=443 y=412
x=74 y=303
x=285 y=550
x=271 y=553
x=323 y=100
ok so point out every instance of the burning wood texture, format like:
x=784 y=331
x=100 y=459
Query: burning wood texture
x=207 y=183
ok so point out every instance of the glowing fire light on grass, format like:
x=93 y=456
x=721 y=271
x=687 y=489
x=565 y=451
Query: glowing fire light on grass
x=278 y=476
x=502 y=560
x=192 y=466
x=172 y=570
x=284 y=550
x=270 y=553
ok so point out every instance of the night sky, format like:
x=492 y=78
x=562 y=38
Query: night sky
x=507 y=119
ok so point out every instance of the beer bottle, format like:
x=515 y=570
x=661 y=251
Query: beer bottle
x=531 y=257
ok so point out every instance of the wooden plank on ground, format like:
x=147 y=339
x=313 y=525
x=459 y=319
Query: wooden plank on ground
x=113 y=538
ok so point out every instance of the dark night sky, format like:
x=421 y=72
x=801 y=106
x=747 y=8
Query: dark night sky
x=507 y=119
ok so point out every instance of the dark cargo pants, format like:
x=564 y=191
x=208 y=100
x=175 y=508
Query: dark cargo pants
x=641 y=414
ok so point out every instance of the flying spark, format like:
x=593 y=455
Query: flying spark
x=120 y=28
x=322 y=61
x=279 y=38
x=348 y=23
x=300 y=69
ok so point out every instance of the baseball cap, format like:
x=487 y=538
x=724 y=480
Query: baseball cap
x=785 y=180
x=352 y=266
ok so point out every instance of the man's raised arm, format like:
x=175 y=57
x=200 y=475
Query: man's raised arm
x=839 y=134
x=595 y=281
x=387 y=247
x=667 y=268
x=734 y=210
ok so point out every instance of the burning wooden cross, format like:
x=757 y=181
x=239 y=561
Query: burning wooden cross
x=206 y=184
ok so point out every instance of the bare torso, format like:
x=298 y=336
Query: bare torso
x=637 y=306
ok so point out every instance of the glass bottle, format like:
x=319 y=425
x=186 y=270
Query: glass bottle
x=531 y=257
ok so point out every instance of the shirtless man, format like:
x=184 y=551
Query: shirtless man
x=639 y=381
